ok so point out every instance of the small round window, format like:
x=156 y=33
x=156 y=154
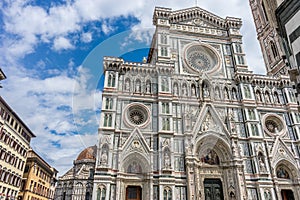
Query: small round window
x=273 y=124
x=137 y=114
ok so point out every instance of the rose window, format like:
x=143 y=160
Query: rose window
x=137 y=114
x=273 y=124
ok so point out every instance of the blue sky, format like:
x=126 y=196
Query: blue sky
x=51 y=53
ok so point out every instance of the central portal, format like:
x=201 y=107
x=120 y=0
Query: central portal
x=213 y=189
x=133 y=193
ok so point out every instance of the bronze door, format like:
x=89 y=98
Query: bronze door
x=133 y=193
x=287 y=195
x=213 y=189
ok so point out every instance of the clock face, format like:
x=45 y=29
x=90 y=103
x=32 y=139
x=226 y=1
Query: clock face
x=201 y=58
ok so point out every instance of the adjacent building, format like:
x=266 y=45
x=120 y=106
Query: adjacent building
x=15 y=139
x=77 y=183
x=288 y=19
x=194 y=122
x=39 y=179
x=267 y=34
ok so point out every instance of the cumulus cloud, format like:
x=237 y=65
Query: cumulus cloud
x=50 y=112
x=59 y=21
x=86 y=37
x=62 y=43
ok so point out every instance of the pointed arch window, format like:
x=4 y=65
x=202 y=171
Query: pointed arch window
x=101 y=193
x=107 y=120
x=167 y=193
x=164 y=38
x=166 y=124
x=111 y=79
x=108 y=103
x=165 y=108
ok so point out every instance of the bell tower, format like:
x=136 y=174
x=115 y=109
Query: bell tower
x=263 y=12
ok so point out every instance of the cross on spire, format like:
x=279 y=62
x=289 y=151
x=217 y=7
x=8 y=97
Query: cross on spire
x=196 y=2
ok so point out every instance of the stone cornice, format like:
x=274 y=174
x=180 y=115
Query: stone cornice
x=263 y=80
x=195 y=13
x=118 y=64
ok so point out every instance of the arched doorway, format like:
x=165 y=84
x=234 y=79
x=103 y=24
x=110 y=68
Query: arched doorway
x=133 y=193
x=213 y=172
x=287 y=195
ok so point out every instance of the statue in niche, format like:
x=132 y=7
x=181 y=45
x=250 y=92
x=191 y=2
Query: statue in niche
x=167 y=160
x=184 y=90
x=234 y=94
x=206 y=123
x=175 y=90
x=247 y=91
x=217 y=93
x=138 y=86
x=164 y=85
x=127 y=85
x=205 y=90
x=261 y=162
x=104 y=157
x=193 y=90
x=210 y=158
x=258 y=96
x=148 y=87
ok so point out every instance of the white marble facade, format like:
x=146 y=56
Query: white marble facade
x=193 y=122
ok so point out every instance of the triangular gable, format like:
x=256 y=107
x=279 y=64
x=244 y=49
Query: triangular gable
x=280 y=151
x=198 y=16
x=136 y=142
x=209 y=120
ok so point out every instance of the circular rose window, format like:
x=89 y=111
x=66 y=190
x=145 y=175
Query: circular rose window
x=273 y=124
x=202 y=58
x=137 y=114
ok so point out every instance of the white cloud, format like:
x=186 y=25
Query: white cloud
x=51 y=114
x=106 y=28
x=62 y=43
x=59 y=21
x=86 y=37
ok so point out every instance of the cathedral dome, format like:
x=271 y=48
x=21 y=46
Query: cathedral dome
x=88 y=153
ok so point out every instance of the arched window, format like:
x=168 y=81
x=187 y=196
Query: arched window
x=101 y=193
x=165 y=108
x=107 y=120
x=111 y=79
x=108 y=103
x=276 y=97
x=167 y=193
x=166 y=124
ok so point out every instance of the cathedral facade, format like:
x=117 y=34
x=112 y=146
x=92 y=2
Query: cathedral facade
x=193 y=122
